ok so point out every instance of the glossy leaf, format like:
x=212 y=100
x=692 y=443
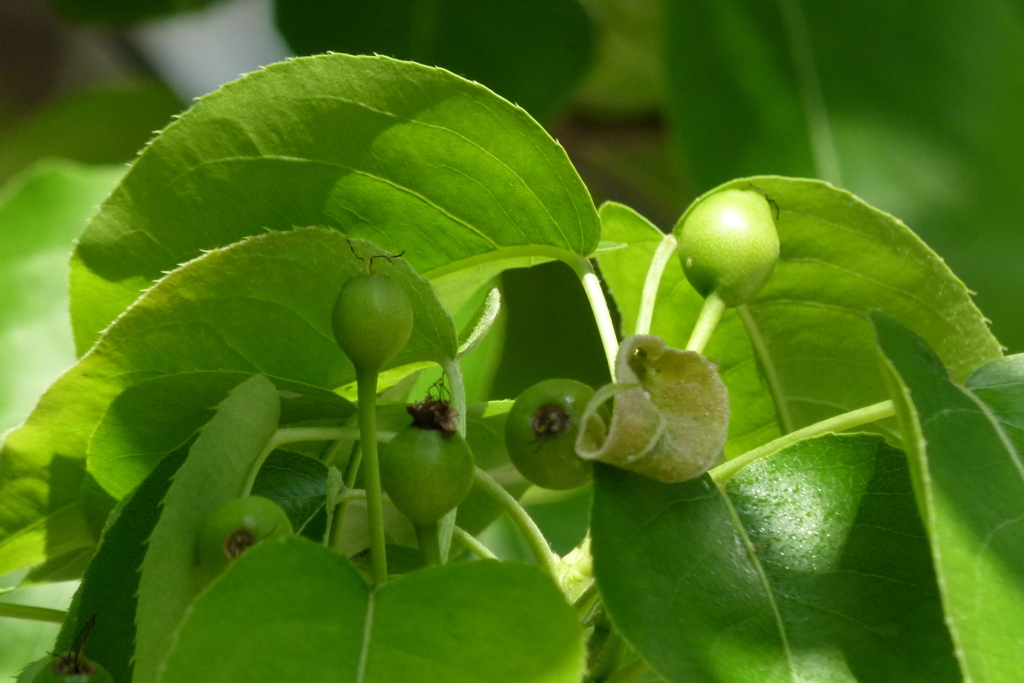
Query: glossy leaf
x=214 y=472
x=918 y=110
x=808 y=328
x=295 y=482
x=110 y=586
x=970 y=480
x=809 y=565
x=317 y=620
x=1000 y=384
x=402 y=154
x=150 y=419
x=507 y=45
x=261 y=306
x=42 y=211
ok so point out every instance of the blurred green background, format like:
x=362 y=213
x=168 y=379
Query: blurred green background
x=917 y=107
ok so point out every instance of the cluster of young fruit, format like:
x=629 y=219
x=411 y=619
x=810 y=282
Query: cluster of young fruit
x=728 y=246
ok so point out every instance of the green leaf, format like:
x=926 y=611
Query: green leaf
x=1000 y=384
x=295 y=482
x=215 y=472
x=860 y=94
x=110 y=585
x=532 y=52
x=104 y=126
x=42 y=211
x=150 y=419
x=408 y=156
x=808 y=328
x=292 y=610
x=261 y=306
x=810 y=565
x=970 y=483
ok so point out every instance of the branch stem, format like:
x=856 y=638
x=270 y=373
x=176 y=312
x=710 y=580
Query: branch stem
x=521 y=518
x=839 y=423
x=707 y=321
x=599 y=306
x=473 y=544
x=366 y=382
x=31 y=613
x=652 y=282
x=430 y=543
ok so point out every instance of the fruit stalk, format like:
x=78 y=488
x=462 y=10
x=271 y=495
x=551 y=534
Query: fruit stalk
x=366 y=387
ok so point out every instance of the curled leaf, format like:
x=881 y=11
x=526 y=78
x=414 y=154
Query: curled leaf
x=671 y=413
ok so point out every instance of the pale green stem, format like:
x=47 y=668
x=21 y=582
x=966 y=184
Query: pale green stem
x=599 y=306
x=54 y=616
x=458 y=391
x=585 y=602
x=366 y=381
x=521 y=518
x=649 y=297
x=446 y=525
x=629 y=673
x=839 y=423
x=707 y=321
x=429 y=542
x=473 y=544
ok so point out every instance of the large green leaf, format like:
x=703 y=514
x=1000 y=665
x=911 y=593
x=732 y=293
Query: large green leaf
x=110 y=585
x=809 y=565
x=153 y=417
x=42 y=211
x=412 y=157
x=808 y=329
x=917 y=108
x=103 y=126
x=261 y=306
x=215 y=471
x=291 y=610
x=507 y=45
x=970 y=480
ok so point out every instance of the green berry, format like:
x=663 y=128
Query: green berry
x=540 y=434
x=70 y=668
x=372 y=320
x=728 y=245
x=236 y=526
x=426 y=473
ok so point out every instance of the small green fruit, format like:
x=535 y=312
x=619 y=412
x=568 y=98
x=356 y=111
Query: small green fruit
x=426 y=473
x=728 y=245
x=236 y=526
x=70 y=668
x=372 y=320
x=540 y=434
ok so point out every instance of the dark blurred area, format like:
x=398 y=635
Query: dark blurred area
x=917 y=109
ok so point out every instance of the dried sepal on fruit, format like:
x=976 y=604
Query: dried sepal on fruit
x=671 y=413
x=427 y=468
